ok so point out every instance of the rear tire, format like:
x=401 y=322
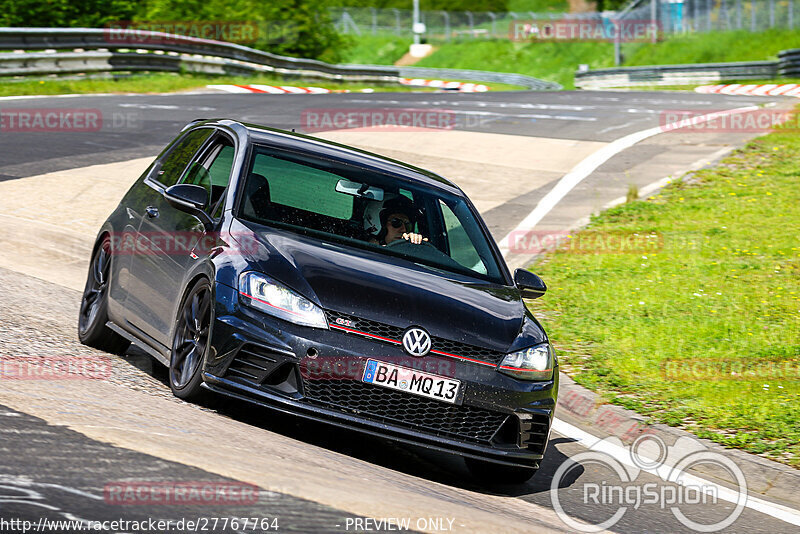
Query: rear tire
x=492 y=473
x=93 y=315
x=190 y=343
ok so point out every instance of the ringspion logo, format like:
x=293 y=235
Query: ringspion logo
x=697 y=504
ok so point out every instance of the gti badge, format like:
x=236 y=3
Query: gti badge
x=417 y=342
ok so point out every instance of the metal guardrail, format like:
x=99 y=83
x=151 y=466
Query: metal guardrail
x=789 y=63
x=72 y=50
x=481 y=76
x=678 y=74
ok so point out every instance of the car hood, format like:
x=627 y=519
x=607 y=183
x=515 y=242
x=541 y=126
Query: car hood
x=387 y=289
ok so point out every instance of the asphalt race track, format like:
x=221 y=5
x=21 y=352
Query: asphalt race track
x=66 y=444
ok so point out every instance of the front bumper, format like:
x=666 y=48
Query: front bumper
x=316 y=374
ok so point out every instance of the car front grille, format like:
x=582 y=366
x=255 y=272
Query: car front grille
x=385 y=405
x=356 y=325
x=534 y=431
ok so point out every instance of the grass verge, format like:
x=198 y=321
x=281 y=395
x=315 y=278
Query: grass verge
x=168 y=83
x=558 y=61
x=703 y=334
x=713 y=47
x=692 y=87
x=546 y=60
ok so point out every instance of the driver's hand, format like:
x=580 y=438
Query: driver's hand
x=414 y=238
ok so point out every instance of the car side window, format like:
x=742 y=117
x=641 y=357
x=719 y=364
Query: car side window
x=174 y=163
x=212 y=170
x=461 y=248
x=303 y=187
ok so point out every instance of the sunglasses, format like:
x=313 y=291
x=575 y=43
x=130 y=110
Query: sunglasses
x=397 y=223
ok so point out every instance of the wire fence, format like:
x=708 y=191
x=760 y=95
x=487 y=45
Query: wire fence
x=676 y=16
x=439 y=25
x=669 y=16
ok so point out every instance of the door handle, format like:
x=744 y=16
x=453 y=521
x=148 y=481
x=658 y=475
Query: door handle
x=151 y=211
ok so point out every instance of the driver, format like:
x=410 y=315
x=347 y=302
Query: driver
x=397 y=222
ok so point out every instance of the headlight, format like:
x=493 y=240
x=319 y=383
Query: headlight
x=271 y=297
x=534 y=363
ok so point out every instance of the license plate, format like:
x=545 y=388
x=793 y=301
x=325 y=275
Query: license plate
x=411 y=381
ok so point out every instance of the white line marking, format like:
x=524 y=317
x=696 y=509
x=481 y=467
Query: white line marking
x=623 y=455
x=526 y=115
x=588 y=165
x=26 y=482
x=617 y=127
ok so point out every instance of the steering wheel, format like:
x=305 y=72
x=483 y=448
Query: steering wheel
x=401 y=241
x=428 y=253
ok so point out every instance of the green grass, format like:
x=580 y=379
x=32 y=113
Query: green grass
x=713 y=47
x=169 y=82
x=546 y=60
x=164 y=83
x=558 y=61
x=376 y=49
x=725 y=286
x=695 y=85
x=538 y=6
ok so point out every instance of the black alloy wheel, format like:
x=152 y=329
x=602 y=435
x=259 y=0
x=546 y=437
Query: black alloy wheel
x=191 y=342
x=93 y=315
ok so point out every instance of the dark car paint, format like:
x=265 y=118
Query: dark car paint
x=388 y=289
x=146 y=293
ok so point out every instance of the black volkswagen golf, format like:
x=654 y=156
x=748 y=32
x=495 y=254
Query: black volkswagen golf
x=330 y=283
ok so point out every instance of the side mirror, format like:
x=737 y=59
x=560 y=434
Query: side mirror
x=190 y=198
x=530 y=285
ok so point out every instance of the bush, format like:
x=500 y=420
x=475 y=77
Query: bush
x=299 y=28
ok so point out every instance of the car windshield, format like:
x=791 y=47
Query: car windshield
x=365 y=208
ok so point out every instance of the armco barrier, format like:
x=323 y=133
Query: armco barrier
x=790 y=63
x=71 y=50
x=676 y=74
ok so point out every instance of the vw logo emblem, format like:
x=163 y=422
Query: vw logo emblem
x=417 y=342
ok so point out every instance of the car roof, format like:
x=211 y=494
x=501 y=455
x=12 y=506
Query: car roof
x=322 y=147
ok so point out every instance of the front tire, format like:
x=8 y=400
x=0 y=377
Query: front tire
x=93 y=315
x=492 y=473
x=190 y=343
